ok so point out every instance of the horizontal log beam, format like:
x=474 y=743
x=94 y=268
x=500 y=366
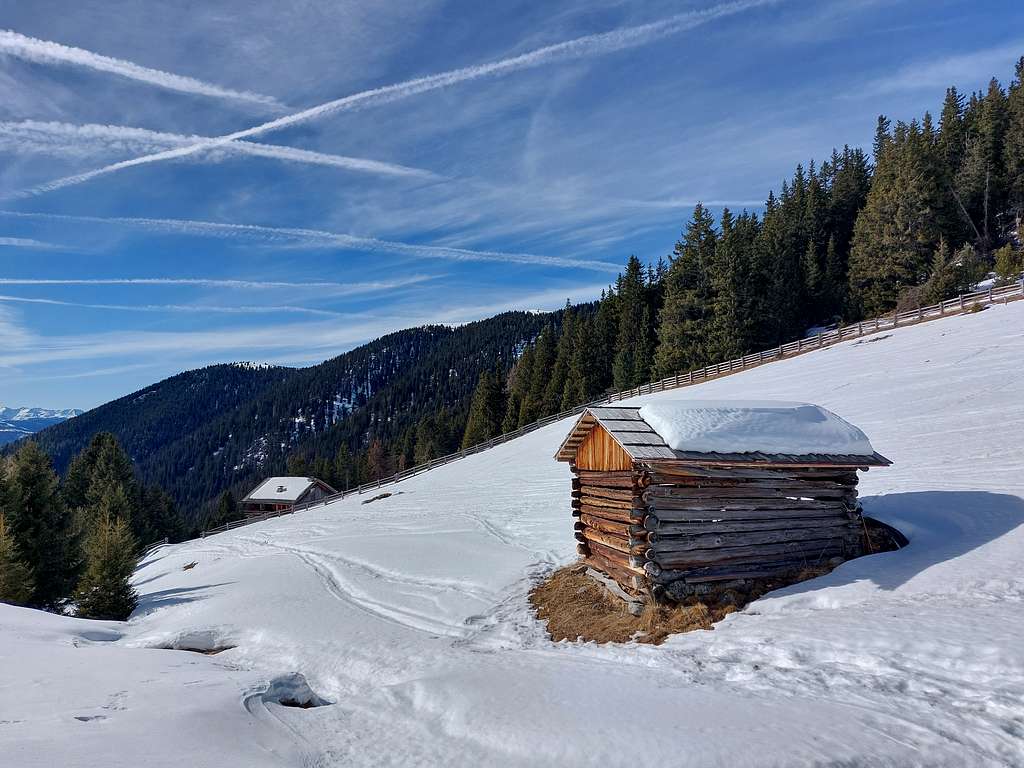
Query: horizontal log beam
x=695 y=527
x=612 y=527
x=661 y=544
x=666 y=508
x=618 y=515
x=616 y=494
x=807 y=551
x=625 y=545
x=670 y=495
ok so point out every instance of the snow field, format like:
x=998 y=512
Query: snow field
x=409 y=614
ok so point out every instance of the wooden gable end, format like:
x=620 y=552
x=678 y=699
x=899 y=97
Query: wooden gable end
x=599 y=451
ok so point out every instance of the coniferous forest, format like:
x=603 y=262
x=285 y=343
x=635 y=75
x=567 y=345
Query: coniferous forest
x=935 y=206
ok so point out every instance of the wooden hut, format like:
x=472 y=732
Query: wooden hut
x=280 y=494
x=674 y=495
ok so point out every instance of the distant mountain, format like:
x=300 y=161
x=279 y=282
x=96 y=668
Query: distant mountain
x=228 y=426
x=16 y=423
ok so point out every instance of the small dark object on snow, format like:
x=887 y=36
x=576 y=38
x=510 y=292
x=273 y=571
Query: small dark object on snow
x=190 y=566
x=379 y=496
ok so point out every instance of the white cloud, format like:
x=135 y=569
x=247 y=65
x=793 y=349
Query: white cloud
x=48 y=52
x=313 y=238
x=967 y=71
x=26 y=242
x=81 y=141
x=579 y=48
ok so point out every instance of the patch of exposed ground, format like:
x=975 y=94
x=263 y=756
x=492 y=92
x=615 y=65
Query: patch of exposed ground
x=575 y=607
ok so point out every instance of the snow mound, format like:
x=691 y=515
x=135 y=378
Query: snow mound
x=747 y=426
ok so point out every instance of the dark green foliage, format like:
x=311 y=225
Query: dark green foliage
x=682 y=331
x=1008 y=262
x=105 y=591
x=634 y=339
x=16 y=583
x=41 y=525
x=227 y=511
x=487 y=411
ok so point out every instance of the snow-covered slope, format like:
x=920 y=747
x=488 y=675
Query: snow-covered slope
x=410 y=613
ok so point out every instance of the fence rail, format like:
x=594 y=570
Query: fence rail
x=964 y=302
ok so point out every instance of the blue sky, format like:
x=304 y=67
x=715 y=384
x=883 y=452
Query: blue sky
x=236 y=182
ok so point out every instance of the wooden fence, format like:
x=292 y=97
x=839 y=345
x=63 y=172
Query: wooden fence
x=963 y=303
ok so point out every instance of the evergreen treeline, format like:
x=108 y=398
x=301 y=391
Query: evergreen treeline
x=940 y=208
x=75 y=542
x=935 y=207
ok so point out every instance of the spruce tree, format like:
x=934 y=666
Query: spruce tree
x=532 y=407
x=555 y=387
x=377 y=460
x=606 y=330
x=227 y=510
x=582 y=383
x=631 y=364
x=688 y=295
x=519 y=380
x=16 y=583
x=41 y=525
x=343 y=468
x=105 y=590
x=727 y=328
x=486 y=411
x=1013 y=152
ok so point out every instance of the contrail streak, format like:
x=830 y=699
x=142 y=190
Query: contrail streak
x=259 y=309
x=48 y=52
x=314 y=238
x=578 y=48
x=82 y=140
x=334 y=288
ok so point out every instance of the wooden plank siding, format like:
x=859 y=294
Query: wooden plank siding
x=599 y=451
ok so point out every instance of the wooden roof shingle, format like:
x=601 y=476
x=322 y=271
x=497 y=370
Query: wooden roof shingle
x=645 y=446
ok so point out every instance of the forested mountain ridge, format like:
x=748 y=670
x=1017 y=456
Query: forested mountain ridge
x=161 y=413
x=227 y=426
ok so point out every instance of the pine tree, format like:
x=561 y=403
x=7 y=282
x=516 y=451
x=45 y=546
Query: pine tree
x=519 y=381
x=41 y=525
x=582 y=383
x=606 y=330
x=688 y=295
x=1013 y=151
x=227 y=510
x=942 y=283
x=16 y=583
x=555 y=386
x=631 y=365
x=105 y=591
x=727 y=331
x=543 y=360
x=377 y=460
x=486 y=411
x=344 y=471
x=897 y=231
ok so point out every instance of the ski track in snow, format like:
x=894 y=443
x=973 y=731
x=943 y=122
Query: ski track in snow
x=410 y=614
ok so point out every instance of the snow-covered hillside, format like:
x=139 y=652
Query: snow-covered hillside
x=410 y=613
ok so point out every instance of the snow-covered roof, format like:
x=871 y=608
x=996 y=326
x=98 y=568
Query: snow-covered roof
x=725 y=430
x=281 y=489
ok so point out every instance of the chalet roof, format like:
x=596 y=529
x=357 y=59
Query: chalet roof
x=645 y=445
x=283 y=489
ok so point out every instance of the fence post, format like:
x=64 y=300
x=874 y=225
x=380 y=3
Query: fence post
x=919 y=315
x=961 y=301
x=895 y=318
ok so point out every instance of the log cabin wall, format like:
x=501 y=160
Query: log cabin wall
x=705 y=524
x=610 y=509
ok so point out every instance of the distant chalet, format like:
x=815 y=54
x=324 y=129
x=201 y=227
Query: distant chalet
x=280 y=494
x=676 y=494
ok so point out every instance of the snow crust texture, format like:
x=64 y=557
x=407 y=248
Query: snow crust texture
x=746 y=426
x=404 y=623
